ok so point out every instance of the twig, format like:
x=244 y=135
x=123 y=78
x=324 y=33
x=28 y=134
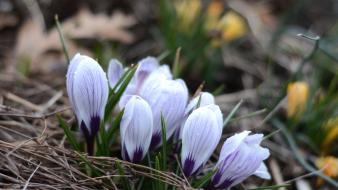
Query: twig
x=23 y=102
x=30 y=177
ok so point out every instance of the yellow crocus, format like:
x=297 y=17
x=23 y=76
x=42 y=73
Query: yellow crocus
x=331 y=134
x=214 y=12
x=298 y=94
x=187 y=11
x=329 y=167
x=233 y=26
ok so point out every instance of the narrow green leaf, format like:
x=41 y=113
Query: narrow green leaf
x=114 y=98
x=113 y=128
x=123 y=77
x=272 y=134
x=62 y=39
x=249 y=115
x=198 y=102
x=201 y=182
x=232 y=113
x=164 y=144
x=92 y=169
x=271 y=187
x=70 y=136
x=125 y=181
x=218 y=90
x=159 y=184
x=176 y=69
x=163 y=55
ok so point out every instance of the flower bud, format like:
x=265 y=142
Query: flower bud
x=200 y=136
x=136 y=129
x=241 y=156
x=115 y=71
x=298 y=93
x=87 y=89
x=165 y=97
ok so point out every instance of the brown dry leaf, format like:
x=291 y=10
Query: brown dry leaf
x=44 y=50
x=87 y=25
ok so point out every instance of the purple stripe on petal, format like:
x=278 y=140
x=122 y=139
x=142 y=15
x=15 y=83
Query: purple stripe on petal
x=88 y=137
x=95 y=122
x=188 y=166
x=226 y=184
x=155 y=141
x=125 y=155
x=138 y=155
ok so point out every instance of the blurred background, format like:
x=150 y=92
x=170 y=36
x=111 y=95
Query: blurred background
x=248 y=50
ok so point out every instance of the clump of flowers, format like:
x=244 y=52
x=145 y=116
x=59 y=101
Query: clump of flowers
x=151 y=110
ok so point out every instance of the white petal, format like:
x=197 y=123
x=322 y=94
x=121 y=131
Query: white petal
x=90 y=89
x=200 y=136
x=168 y=97
x=76 y=60
x=232 y=143
x=263 y=172
x=136 y=126
x=115 y=71
x=206 y=99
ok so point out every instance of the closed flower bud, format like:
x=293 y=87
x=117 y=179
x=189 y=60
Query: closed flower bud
x=205 y=99
x=136 y=129
x=167 y=98
x=146 y=67
x=115 y=71
x=298 y=93
x=241 y=156
x=87 y=89
x=200 y=136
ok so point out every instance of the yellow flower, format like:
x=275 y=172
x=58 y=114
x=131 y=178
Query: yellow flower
x=329 y=167
x=331 y=129
x=298 y=94
x=187 y=11
x=233 y=26
x=214 y=12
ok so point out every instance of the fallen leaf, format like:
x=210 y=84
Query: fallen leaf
x=43 y=50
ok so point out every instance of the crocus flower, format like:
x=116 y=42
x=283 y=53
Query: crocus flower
x=200 y=136
x=87 y=89
x=136 y=129
x=329 y=167
x=298 y=94
x=330 y=129
x=241 y=156
x=168 y=98
x=115 y=71
x=205 y=99
x=146 y=67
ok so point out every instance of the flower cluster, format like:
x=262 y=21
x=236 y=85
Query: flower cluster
x=151 y=98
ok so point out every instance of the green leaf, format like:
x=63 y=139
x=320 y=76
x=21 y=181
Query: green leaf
x=115 y=124
x=198 y=102
x=125 y=181
x=249 y=115
x=271 y=187
x=164 y=144
x=159 y=184
x=62 y=39
x=201 y=182
x=91 y=168
x=176 y=68
x=232 y=113
x=70 y=136
x=114 y=98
